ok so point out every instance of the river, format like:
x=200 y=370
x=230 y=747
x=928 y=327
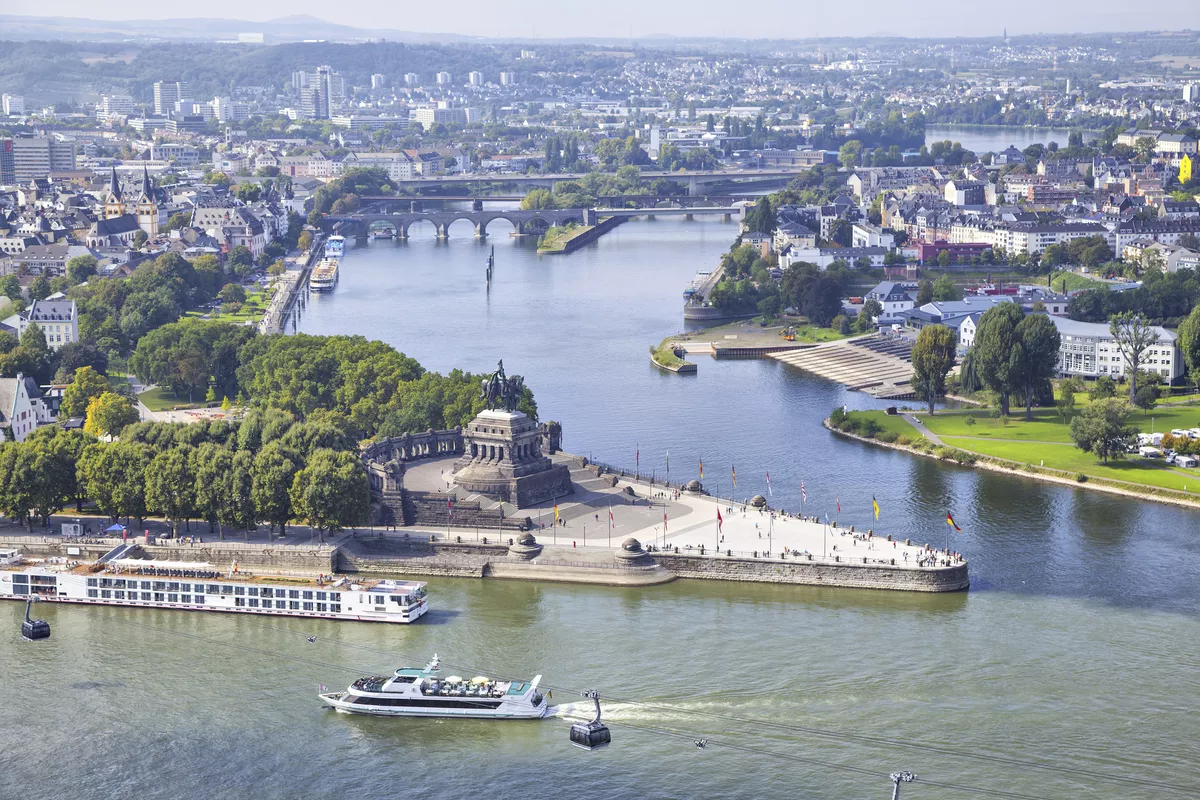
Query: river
x=994 y=138
x=1075 y=647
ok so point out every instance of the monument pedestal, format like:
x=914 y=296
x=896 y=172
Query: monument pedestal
x=502 y=458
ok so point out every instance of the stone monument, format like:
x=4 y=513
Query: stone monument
x=502 y=450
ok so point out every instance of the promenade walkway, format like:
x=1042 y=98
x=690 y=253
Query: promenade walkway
x=656 y=515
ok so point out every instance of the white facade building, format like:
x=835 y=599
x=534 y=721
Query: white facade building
x=22 y=408
x=56 y=317
x=1089 y=350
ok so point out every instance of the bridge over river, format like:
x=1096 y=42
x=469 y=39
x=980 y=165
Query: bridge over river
x=524 y=222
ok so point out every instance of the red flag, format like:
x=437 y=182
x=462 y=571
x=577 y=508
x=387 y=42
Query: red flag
x=720 y=521
x=610 y=517
x=664 y=522
x=839 y=502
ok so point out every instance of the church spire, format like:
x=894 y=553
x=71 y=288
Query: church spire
x=147 y=187
x=114 y=184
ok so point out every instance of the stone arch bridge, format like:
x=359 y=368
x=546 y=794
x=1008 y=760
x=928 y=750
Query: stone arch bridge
x=523 y=222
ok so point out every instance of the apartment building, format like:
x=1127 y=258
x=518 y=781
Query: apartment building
x=1089 y=350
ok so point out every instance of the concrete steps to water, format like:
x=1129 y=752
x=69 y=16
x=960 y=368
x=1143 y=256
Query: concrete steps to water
x=877 y=365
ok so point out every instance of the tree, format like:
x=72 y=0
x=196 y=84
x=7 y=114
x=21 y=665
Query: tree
x=943 y=258
x=108 y=414
x=1066 y=400
x=1134 y=336
x=1146 y=397
x=1189 y=339
x=241 y=261
x=331 y=492
x=997 y=350
x=849 y=153
x=1102 y=428
x=240 y=509
x=1039 y=342
x=932 y=360
x=40 y=288
x=761 y=218
x=1104 y=387
x=80 y=268
x=85 y=387
x=171 y=485
x=944 y=288
x=305 y=240
x=275 y=469
x=139 y=240
x=924 y=292
x=10 y=287
x=213 y=469
x=871 y=311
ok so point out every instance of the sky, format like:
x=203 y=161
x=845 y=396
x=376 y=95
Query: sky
x=641 y=18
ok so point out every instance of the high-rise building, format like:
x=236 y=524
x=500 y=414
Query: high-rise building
x=1191 y=92
x=325 y=92
x=38 y=156
x=412 y=79
x=226 y=110
x=475 y=78
x=8 y=173
x=13 y=104
x=528 y=54
x=116 y=105
x=443 y=79
x=299 y=80
x=167 y=94
x=378 y=81
x=508 y=78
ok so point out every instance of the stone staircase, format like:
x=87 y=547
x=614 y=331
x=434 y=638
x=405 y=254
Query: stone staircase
x=429 y=509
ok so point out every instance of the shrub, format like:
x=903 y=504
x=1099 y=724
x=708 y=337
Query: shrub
x=904 y=441
x=869 y=428
x=1081 y=477
x=838 y=415
x=887 y=436
x=964 y=458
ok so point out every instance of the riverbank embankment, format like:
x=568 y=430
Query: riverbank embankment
x=580 y=236
x=968 y=459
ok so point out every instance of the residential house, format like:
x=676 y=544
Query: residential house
x=55 y=315
x=22 y=407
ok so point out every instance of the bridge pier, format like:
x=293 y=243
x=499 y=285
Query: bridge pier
x=693 y=187
x=443 y=232
x=726 y=217
x=480 y=230
x=689 y=217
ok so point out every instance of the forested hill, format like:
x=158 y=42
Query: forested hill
x=77 y=70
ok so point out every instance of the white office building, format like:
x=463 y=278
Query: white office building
x=1089 y=350
x=13 y=104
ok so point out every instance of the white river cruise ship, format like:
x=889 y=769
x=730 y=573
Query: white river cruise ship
x=192 y=586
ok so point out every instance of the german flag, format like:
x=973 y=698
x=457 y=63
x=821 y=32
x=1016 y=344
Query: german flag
x=875 y=506
x=950 y=521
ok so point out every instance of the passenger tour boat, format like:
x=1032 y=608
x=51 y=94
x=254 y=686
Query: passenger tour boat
x=423 y=693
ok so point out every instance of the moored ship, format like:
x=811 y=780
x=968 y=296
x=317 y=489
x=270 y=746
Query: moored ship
x=410 y=692
x=194 y=586
x=324 y=276
x=335 y=246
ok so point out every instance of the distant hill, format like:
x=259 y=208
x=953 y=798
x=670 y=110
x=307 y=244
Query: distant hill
x=294 y=28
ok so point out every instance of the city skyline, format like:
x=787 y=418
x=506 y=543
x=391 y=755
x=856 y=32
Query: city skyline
x=533 y=19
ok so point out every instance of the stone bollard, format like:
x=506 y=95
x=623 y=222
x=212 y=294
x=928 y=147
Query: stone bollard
x=908 y=541
x=485 y=540
x=837 y=558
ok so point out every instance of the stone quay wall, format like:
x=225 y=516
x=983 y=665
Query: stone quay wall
x=317 y=558
x=814 y=573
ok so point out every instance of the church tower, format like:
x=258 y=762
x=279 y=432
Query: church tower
x=114 y=205
x=147 y=206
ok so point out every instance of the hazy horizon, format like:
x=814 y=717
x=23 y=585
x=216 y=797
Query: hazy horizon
x=776 y=19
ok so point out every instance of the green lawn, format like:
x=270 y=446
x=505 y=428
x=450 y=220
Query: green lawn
x=1047 y=425
x=1075 y=281
x=161 y=399
x=1067 y=457
x=896 y=424
x=555 y=238
x=252 y=311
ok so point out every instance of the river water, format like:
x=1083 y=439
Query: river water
x=1076 y=646
x=994 y=138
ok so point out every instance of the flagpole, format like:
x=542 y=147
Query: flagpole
x=610 y=526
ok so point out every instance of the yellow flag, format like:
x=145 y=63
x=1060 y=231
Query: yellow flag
x=875 y=503
x=556 y=512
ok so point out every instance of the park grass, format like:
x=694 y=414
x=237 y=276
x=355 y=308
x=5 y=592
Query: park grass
x=1068 y=458
x=664 y=356
x=893 y=423
x=160 y=399
x=1047 y=425
x=255 y=306
x=1074 y=281
x=555 y=239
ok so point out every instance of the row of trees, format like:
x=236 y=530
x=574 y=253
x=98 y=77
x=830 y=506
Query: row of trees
x=377 y=389
x=267 y=468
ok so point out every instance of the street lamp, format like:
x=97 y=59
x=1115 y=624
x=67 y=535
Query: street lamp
x=897 y=779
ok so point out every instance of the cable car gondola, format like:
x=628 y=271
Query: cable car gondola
x=591 y=735
x=34 y=629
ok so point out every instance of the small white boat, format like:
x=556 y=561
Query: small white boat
x=423 y=693
x=335 y=246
